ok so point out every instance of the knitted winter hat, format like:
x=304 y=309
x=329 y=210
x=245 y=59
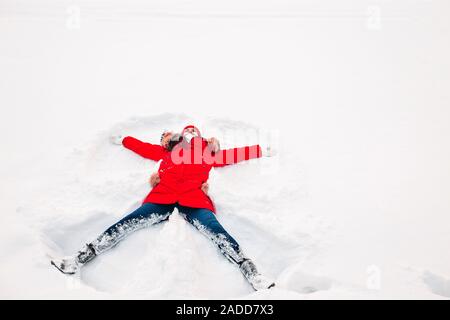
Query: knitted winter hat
x=191 y=127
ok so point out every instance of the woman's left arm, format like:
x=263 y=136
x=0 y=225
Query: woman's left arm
x=236 y=155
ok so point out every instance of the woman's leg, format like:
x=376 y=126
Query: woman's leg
x=206 y=222
x=146 y=215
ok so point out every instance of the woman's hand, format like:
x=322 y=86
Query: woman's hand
x=154 y=179
x=213 y=144
x=268 y=151
x=116 y=139
x=205 y=187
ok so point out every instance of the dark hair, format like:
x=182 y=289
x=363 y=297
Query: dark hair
x=174 y=140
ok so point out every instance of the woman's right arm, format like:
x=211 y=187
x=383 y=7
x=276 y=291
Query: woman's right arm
x=144 y=149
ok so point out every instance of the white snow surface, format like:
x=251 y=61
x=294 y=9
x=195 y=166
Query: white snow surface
x=355 y=205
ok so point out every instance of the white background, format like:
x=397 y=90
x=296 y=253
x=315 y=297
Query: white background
x=361 y=102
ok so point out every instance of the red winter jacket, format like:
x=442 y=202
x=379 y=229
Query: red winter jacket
x=183 y=170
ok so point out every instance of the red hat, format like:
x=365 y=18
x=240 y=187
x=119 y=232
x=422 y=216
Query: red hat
x=191 y=127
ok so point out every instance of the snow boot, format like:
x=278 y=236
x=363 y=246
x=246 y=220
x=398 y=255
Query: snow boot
x=257 y=280
x=72 y=264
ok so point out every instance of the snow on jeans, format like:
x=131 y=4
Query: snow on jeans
x=151 y=213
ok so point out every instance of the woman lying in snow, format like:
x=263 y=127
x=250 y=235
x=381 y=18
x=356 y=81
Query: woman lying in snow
x=181 y=182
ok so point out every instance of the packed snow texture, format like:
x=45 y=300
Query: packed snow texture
x=354 y=204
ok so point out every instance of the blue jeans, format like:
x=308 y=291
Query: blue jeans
x=151 y=213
